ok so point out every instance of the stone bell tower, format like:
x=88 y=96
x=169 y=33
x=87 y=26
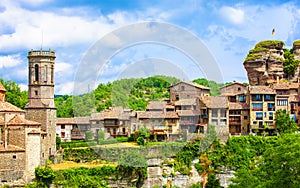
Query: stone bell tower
x=41 y=107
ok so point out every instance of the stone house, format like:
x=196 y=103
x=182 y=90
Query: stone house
x=20 y=143
x=215 y=110
x=187 y=90
x=238 y=102
x=262 y=108
x=64 y=128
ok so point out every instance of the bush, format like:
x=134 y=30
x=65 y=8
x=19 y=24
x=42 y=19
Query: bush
x=140 y=141
x=122 y=139
x=103 y=142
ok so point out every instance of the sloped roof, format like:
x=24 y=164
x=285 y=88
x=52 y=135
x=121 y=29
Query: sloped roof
x=82 y=120
x=171 y=115
x=156 y=105
x=2 y=87
x=192 y=84
x=11 y=148
x=286 y=85
x=187 y=113
x=185 y=102
x=234 y=83
x=214 y=101
x=97 y=116
x=7 y=107
x=19 y=120
x=150 y=115
x=261 y=90
x=238 y=106
x=69 y=121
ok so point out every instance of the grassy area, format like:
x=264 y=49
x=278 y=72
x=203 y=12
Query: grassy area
x=70 y=164
x=120 y=145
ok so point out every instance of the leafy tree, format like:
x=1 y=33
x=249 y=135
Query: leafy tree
x=284 y=123
x=215 y=87
x=58 y=142
x=213 y=182
x=290 y=64
x=89 y=136
x=44 y=176
x=14 y=95
x=133 y=164
x=278 y=167
x=101 y=135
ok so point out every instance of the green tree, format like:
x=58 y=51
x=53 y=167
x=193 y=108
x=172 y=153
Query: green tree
x=101 y=135
x=58 y=142
x=284 y=123
x=44 y=176
x=278 y=167
x=14 y=95
x=133 y=164
x=290 y=64
x=89 y=136
x=143 y=135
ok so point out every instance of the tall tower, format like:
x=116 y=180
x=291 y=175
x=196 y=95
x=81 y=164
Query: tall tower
x=41 y=107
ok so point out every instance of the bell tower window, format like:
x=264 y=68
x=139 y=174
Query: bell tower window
x=36 y=72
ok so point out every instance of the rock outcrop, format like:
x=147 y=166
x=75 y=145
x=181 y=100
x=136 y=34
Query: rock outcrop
x=264 y=63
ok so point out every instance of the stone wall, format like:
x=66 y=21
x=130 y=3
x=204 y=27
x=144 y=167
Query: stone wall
x=12 y=166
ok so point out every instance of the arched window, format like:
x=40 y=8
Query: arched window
x=36 y=72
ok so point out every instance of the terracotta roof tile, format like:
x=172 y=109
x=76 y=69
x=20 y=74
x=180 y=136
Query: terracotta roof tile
x=187 y=113
x=19 y=120
x=214 y=101
x=238 y=106
x=193 y=84
x=64 y=121
x=11 y=148
x=97 y=116
x=156 y=105
x=171 y=114
x=7 y=107
x=234 y=83
x=185 y=102
x=281 y=86
x=82 y=120
x=150 y=115
x=261 y=90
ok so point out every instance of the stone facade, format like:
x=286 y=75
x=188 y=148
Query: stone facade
x=41 y=107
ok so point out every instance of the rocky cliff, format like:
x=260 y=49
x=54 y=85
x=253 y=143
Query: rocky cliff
x=265 y=63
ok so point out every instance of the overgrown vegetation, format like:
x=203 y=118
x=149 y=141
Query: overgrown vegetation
x=290 y=64
x=14 y=95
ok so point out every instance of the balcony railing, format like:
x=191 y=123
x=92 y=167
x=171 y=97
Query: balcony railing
x=257 y=109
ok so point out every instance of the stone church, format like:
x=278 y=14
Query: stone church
x=28 y=137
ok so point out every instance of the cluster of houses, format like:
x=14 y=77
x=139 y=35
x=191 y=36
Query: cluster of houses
x=239 y=110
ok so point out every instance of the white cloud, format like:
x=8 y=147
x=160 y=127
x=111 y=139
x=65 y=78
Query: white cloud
x=63 y=67
x=10 y=61
x=233 y=15
x=23 y=87
x=64 y=88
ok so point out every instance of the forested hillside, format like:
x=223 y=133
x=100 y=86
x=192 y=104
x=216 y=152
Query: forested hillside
x=14 y=95
x=133 y=93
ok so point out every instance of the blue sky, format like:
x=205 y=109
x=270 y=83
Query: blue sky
x=72 y=27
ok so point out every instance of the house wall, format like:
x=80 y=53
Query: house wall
x=33 y=154
x=12 y=169
x=189 y=92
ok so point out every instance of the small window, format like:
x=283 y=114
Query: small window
x=182 y=88
x=43 y=155
x=245 y=117
x=239 y=89
x=14 y=156
x=63 y=127
x=36 y=92
x=177 y=97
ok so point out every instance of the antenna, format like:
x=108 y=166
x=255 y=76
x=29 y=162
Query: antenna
x=42 y=39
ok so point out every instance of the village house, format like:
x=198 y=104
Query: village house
x=238 y=102
x=214 y=110
x=262 y=108
x=187 y=90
